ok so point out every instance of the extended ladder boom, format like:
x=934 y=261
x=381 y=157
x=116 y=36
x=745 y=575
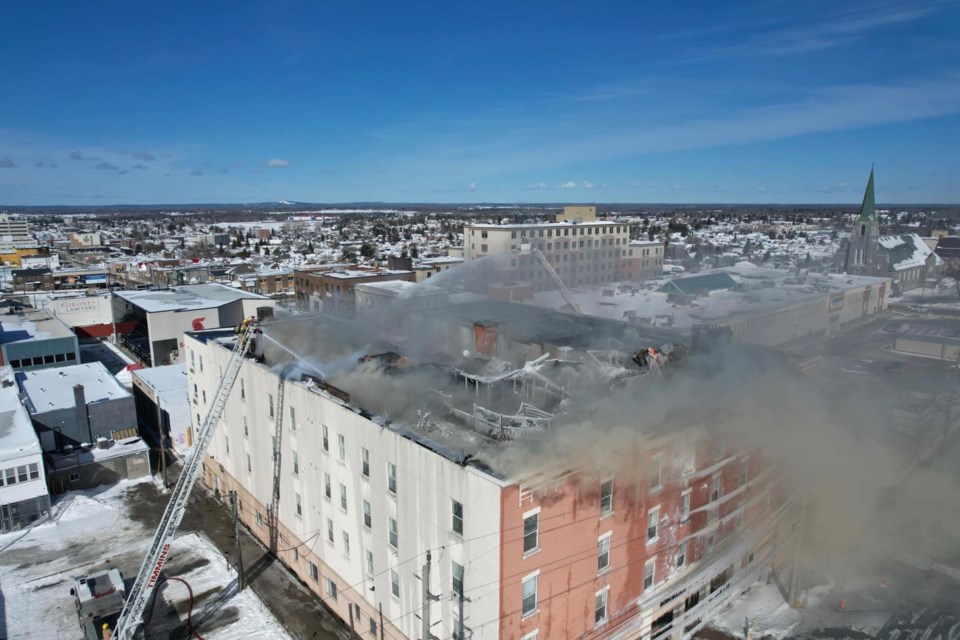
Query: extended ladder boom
x=132 y=615
x=564 y=291
x=273 y=514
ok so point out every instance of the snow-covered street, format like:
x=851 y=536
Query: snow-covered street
x=93 y=530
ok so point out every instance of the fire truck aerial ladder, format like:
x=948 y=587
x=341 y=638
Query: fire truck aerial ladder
x=131 y=617
x=528 y=248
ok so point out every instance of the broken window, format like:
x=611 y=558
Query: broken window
x=603 y=553
x=457 y=578
x=655 y=470
x=457 y=518
x=531 y=532
x=391 y=477
x=606 y=497
x=393 y=534
x=653 y=520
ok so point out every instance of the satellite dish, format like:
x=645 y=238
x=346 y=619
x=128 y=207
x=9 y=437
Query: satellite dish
x=466 y=353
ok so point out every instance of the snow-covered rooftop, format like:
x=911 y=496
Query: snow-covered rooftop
x=192 y=296
x=167 y=378
x=907 y=251
x=17 y=436
x=37 y=324
x=52 y=389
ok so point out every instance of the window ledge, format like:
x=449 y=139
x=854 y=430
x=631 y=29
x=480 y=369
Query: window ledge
x=603 y=571
x=527 y=616
x=651 y=541
x=604 y=516
x=532 y=552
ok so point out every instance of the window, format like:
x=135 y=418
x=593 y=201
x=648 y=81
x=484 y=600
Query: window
x=457 y=518
x=259 y=519
x=34 y=471
x=653 y=518
x=249 y=464
x=204 y=392
x=369 y=562
x=391 y=477
x=365 y=456
x=296 y=464
x=531 y=532
x=715 y=487
x=243 y=392
x=346 y=543
x=606 y=498
x=685 y=506
x=681 y=554
x=649 y=568
x=373 y=627
x=270 y=404
x=600 y=611
x=367 y=516
x=342 y=444
x=313 y=572
x=744 y=471
x=457 y=571
x=226 y=443
x=655 y=469
x=530 y=595
x=603 y=553
x=394 y=583
x=331 y=589
x=327 y=490
x=246 y=430
x=329 y=530
x=293 y=419
x=74 y=477
x=343 y=496
x=392 y=529
x=299 y=507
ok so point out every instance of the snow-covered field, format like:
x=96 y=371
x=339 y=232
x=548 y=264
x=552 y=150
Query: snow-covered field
x=94 y=529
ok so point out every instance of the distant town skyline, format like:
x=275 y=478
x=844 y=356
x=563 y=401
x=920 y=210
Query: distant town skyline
x=695 y=102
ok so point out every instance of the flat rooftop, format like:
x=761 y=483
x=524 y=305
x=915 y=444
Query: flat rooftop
x=544 y=225
x=52 y=389
x=17 y=436
x=187 y=297
x=35 y=324
x=351 y=274
x=758 y=290
x=171 y=377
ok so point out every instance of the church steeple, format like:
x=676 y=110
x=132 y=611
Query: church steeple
x=868 y=210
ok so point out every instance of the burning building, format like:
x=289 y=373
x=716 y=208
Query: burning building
x=492 y=475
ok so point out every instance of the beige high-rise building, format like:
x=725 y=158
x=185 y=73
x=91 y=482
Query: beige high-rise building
x=582 y=253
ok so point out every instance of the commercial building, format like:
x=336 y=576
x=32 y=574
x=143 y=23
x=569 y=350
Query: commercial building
x=23 y=482
x=14 y=229
x=761 y=306
x=151 y=323
x=90 y=316
x=35 y=339
x=163 y=406
x=331 y=288
x=87 y=425
x=431 y=449
x=582 y=253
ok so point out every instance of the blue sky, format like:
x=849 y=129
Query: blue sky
x=656 y=101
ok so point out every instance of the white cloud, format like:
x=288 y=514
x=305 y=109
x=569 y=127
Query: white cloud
x=570 y=184
x=587 y=184
x=277 y=162
x=472 y=186
x=538 y=186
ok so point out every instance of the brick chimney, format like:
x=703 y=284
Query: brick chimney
x=83 y=419
x=485 y=338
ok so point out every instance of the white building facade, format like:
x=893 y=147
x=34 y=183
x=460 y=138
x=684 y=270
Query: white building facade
x=23 y=483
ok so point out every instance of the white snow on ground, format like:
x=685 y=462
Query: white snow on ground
x=90 y=530
x=763 y=608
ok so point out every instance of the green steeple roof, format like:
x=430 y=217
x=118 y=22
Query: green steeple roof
x=868 y=210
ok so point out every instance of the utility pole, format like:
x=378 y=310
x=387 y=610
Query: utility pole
x=380 y=608
x=236 y=537
x=426 y=600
